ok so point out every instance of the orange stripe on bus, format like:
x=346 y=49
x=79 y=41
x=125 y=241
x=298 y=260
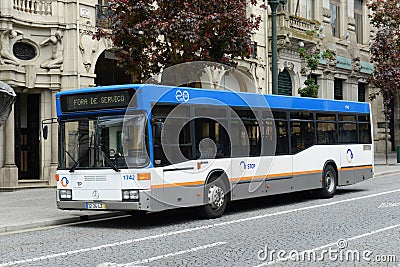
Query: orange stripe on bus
x=257 y=177
x=177 y=184
x=363 y=167
x=307 y=172
x=355 y=168
x=269 y=176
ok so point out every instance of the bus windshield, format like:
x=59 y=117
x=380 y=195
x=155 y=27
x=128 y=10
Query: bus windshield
x=103 y=142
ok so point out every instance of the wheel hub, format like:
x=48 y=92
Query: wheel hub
x=329 y=181
x=216 y=197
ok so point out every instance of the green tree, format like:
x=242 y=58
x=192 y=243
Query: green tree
x=312 y=60
x=150 y=35
x=385 y=54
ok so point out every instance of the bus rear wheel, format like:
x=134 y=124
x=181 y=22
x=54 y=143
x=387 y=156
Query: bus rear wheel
x=329 y=182
x=216 y=194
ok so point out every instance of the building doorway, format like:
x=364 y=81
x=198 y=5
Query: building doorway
x=27 y=135
x=285 y=83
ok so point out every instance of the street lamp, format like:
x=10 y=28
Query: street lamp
x=274 y=5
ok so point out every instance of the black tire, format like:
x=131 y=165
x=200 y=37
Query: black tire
x=216 y=193
x=329 y=182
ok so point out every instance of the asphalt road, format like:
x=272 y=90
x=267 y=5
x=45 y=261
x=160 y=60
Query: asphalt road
x=360 y=226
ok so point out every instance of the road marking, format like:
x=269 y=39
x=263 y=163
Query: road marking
x=135 y=263
x=188 y=230
x=331 y=244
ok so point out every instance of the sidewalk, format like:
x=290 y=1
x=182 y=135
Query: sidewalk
x=34 y=208
x=380 y=164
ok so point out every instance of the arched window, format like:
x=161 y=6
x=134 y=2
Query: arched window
x=284 y=83
x=108 y=72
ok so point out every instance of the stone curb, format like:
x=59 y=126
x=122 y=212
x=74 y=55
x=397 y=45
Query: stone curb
x=39 y=224
x=385 y=173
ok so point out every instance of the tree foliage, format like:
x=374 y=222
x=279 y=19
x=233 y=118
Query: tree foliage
x=385 y=50
x=312 y=58
x=150 y=35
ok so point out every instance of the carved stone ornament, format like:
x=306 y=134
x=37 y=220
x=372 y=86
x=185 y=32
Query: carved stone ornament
x=6 y=55
x=56 y=60
x=88 y=47
x=356 y=64
x=289 y=65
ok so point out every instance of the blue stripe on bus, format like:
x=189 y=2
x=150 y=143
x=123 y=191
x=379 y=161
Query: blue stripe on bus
x=157 y=93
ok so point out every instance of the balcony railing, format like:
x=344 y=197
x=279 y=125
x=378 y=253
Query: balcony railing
x=43 y=8
x=295 y=27
x=302 y=24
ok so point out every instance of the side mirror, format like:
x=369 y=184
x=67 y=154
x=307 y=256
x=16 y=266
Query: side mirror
x=45 y=128
x=45 y=132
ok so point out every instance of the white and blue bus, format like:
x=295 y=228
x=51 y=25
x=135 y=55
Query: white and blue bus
x=151 y=147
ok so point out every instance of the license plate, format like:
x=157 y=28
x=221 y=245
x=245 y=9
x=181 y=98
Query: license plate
x=96 y=206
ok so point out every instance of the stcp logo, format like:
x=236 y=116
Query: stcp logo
x=349 y=155
x=64 y=181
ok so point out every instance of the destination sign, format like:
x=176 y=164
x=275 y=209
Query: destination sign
x=98 y=100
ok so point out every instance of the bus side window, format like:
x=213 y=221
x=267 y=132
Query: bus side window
x=245 y=122
x=282 y=138
x=364 y=131
x=159 y=156
x=326 y=133
x=347 y=133
x=217 y=136
x=302 y=135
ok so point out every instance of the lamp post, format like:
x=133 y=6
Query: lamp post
x=274 y=5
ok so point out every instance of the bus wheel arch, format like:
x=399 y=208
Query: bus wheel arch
x=216 y=194
x=333 y=163
x=329 y=180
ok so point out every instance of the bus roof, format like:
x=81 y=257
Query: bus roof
x=148 y=93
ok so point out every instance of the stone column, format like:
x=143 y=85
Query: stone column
x=379 y=124
x=350 y=89
x=54 y=140
x=329 y=41
x=9 y=173
x=326 y=89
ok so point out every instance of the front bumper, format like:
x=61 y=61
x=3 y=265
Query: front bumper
x=144 y=204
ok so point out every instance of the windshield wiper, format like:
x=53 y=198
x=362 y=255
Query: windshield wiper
x=79 y=160
x=109 y=161
x=69 y=154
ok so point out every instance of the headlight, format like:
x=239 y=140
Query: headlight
x=65 y=194
x=125 y=194
x=130 y=195
x=134 y=194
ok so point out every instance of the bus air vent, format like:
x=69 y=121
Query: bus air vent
x=95 y=178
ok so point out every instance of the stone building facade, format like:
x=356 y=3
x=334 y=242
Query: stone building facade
x=341 y=26
x=47 y=46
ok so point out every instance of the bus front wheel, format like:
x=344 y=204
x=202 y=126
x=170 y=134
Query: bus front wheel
x=329 y=182
x=216 y=195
